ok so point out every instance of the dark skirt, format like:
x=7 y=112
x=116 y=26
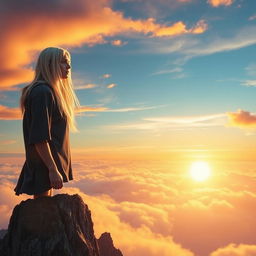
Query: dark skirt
x=33 y=181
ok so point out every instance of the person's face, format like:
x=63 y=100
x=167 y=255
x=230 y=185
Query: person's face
x=65 y=66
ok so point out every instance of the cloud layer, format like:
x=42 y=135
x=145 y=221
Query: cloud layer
x=157 y=208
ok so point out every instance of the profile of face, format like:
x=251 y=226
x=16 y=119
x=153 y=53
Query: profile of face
x=65 y=66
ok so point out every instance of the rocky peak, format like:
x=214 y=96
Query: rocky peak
x=107 y=247
x=54 y=226
x=50 y=226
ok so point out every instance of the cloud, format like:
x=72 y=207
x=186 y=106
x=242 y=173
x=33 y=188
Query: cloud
x=154 y=206
x=8 y=200
x=179 y=28
x=105 y=109
x=188 y=46
x=217 y=3
x=91 y=109
x=242 y=39
x=236 y=250
x=7 y=113
x=86 y=22
x=86 y=86
x=167 y=71
x=169 y=122
x=253 y=17
x=242 y=119
x=105 y=218
x=105 y=76
x=249 y=83
x=185 y=119
x=110 y=86
x=118 y=42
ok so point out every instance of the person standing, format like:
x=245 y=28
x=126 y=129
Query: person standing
x=48 y=106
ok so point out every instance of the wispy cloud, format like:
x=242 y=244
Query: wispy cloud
x=86 y=86
x=7 y=113
x=245 y=37
x=249 y=83
x=189 y=46
x=90 y=109
x=105 y=109
x=172 y=122
x=217 y=3
x=185 y=119
x=131 y=109
x=110 y=86
x=168 y=71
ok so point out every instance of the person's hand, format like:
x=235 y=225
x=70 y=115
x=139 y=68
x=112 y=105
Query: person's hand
x=56 y=179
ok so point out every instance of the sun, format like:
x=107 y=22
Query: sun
x=200 y=171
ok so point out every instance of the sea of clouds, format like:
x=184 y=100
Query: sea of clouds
x=155 y=208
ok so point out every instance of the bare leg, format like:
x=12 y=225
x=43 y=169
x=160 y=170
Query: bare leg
x=48 y=193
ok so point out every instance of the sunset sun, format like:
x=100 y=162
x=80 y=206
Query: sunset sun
x=200 y=171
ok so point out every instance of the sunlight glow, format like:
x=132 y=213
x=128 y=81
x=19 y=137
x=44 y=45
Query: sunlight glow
x=200 y=171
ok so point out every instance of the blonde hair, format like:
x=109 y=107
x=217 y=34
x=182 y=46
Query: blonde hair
x=48 y=71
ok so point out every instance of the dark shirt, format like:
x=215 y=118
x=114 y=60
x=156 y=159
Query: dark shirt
x=42 y=121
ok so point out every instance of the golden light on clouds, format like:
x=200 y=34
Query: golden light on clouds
x=118 y=42
x=200 y=171
x=86 y=86
x=216 y=3
x=90 y=109
x=149 y=201
x=178 y=28
x=111 y=86
x=86 y=23
x=7 y=113
x=242 y=119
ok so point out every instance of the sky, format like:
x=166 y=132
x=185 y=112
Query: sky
x=162 y=85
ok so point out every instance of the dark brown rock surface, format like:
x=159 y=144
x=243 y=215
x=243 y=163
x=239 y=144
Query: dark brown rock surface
x=2 y=233
x=107 y=247
x=56 y=226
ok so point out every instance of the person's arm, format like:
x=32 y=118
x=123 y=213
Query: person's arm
x=44 y=151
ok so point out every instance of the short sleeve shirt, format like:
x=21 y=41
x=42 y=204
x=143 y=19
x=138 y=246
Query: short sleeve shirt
x=42 y=121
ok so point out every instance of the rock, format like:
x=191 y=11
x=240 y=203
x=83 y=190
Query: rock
x=106 y=246
x=2 y=233
x=50 y=226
